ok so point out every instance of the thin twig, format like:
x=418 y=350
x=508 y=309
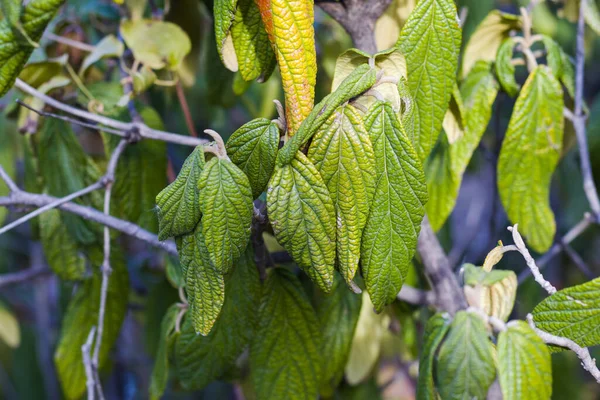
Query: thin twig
x=69 y=42
x=23 y=276
x=588 y=363
x=416 y=296
x=12 y=186
x=87 y=363
x=185 y=108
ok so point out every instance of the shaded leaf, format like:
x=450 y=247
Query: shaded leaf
x=10 y=332
x=160 y=371
x=436 y=328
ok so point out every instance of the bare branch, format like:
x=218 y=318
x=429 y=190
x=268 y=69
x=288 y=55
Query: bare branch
x=12 y=186
x=588 y=363
x=23 y=276
x=87 y=363
x=69 y=42
x=415 y=296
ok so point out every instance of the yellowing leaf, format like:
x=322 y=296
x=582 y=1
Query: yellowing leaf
x=454 y=119
x=388 y=26
x=529 y=155
x=303 y=218
x=289 y=24
x=485 y=41
x=342 y=153
x=156 y=44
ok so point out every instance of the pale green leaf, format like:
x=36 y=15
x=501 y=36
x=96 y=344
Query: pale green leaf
x=573 y=313
x=524 y=365
x=338 y=315
x=178 y=205
x=505 y=70
x=342 y=153
x=10 y=331
x=436 y=328
x=37 y=73
x=15 y=50
x=226 y=205
x=303 y=218
x=109 y=46
x=530 y=152
x=62 y=253
x=201 y=359
x=454 y=119
x=430 y=41
x=160 y=371
x=465 y=367
x=224 y=14
x=554 y=56
x=82 y=315
x=591 y=15
x=253 y=148
x=284 y=356
x=492 y=292
x=390 y=236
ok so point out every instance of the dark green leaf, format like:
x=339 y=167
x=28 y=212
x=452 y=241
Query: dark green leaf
x=160 y=372
x=435 y=330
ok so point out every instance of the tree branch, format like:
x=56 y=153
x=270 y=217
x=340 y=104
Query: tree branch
x=415 y=296
x=23 y=276
x=87 y=363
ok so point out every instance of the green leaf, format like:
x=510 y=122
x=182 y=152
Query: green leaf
x=224 y=14
x=284 y=357
x=430 y=41
x=390 y=236
x=15 y=51
x=178 y=205
x=82 y=315
x=226 y=205
x=447 y=163
x=524 y=365
x=454 y=119
x=201 y=359
x=174 y=272
x=553 y=56
x=568 y=76
x=359 y=81
x=591 y=15
x=487 y=38
x=338 y=315
x=573 y=313
x=160 y=372
x=342 y=153
x=253 y=148
x=303 y=218
x=435 y=330
x=505 y=70
x=61 y=250
x=204 y=284
x=8 y=158
x=109 y=46
x=466 y=368
x=255 y=56
x=530 y=152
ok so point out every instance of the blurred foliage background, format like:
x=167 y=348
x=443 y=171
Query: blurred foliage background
x=220 y=100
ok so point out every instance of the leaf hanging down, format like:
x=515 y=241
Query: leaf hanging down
x=435 y=330
x=61 y=250
x=204 y=283
x=178 y=205
x=529 y=155
x=342 y=153
x=82 y=315
x=430 y=41
x=573 y=313
x=359 y=81
x=15 y=49
x=524 y=364
x=253 y=51
x=201 y=359
x=465 y=368
x=226 y=205
x=554 y=56
x=505 y=70
x=485 y=41
x=303 y=218
x=284 y=358
x=253 y=148
x=390 y=236
x=338 y=315
x=289 y=25
x=447 y=163
x=160 y=372
x=224 y=13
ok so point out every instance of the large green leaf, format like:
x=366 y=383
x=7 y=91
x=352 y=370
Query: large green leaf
x=342 y=153
x=62 y=253
x=435 y=330
x=253 y=50
x=530 y=152
x=524 y=365
x=284 y=355
x=253 y=148
x=160 y=372
x=82 y=315
x=338 y=314
x=178 y=205
x=573 y=313
x=430 y=41
x=201 y=359
x=390 y=235
x=226 y=205
x=204 y=283
x=357 y=82
x=447 y=163
x=15 y=49
x=303 y=218
x=466 y=368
